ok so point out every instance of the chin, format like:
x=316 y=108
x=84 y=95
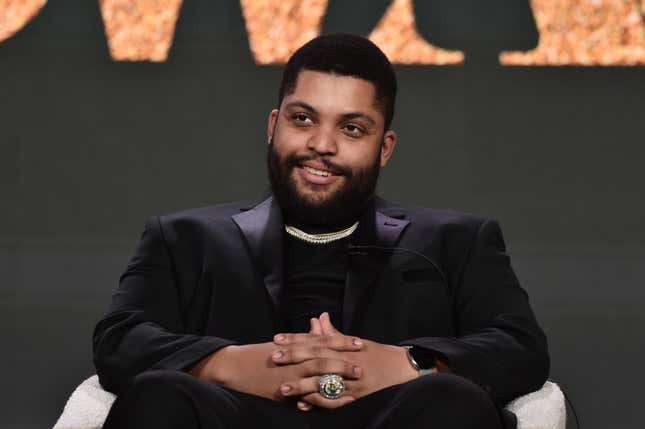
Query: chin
x=315 y=198
x=316 y=194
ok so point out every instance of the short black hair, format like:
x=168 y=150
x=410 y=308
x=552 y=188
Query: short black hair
x=345 y=55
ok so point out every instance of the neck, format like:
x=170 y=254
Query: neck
x=312 y=227
x=319 y=229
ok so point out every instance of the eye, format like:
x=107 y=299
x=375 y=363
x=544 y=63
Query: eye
x=302 y=119
x=353 y=130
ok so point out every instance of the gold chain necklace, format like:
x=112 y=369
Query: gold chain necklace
x=325 y=238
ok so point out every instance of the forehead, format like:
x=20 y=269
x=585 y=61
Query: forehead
x=328 y=92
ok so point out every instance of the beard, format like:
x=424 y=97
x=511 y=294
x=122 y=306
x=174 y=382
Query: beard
x=339 y=208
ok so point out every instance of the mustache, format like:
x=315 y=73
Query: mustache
x=295 y=160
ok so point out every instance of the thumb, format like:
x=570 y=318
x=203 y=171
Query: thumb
x=327 y=327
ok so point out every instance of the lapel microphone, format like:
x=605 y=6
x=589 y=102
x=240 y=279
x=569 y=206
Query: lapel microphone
x=355 y=250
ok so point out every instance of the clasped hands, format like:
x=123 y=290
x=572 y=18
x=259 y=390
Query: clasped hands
x=366 y=366
x=291 y=365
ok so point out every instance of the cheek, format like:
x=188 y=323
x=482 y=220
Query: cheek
x=290 y=140
x=284 y=147
x=361 y=159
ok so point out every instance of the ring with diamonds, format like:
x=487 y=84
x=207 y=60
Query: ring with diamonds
x=332 y=386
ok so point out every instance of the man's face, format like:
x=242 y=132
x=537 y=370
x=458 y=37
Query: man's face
x=327 y=144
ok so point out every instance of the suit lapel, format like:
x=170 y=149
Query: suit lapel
x=377 y=231
x=262 y=230
x=368 y=254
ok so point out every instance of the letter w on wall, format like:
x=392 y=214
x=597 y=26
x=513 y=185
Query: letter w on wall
x=572 y=32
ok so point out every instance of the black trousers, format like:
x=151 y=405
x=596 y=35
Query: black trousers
x=173 y=399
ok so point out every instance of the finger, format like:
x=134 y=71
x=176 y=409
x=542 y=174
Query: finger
x=327 y=327
x=318 y=401
x=299 y=354
x=316 y=328
x=308 y=385
x=316 y=367
x=334 y=342
x=304 y=406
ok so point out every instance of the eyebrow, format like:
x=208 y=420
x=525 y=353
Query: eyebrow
x=345 y=116
x=301 y=104
x=359 y=115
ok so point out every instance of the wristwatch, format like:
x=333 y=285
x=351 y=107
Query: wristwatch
x=420 y=360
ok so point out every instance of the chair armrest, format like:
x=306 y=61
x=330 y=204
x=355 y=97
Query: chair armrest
x=542 y=409
x=87 y=408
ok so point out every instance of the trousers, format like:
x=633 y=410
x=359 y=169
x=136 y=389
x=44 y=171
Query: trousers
x=163 y=399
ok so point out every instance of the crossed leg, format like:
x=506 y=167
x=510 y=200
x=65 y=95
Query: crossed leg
x=172 y=399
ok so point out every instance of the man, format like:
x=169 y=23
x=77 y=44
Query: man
x=321 y=304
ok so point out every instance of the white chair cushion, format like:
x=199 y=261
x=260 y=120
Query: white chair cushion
x=542 y=409
x=89 y=405
x=87 y=408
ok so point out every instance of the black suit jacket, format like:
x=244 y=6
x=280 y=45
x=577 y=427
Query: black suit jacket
x=206 y=278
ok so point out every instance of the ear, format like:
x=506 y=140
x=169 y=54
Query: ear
x=387 y=146
x=273 y=119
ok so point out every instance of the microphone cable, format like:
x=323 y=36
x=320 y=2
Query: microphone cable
x=359 y=251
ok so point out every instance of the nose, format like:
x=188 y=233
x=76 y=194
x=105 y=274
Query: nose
x=323 y=142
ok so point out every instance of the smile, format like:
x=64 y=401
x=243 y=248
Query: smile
x=317 y=176
x=317 y=172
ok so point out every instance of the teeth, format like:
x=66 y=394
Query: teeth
x=317 y=172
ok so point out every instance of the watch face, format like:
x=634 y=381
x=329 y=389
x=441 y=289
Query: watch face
x=423 y=358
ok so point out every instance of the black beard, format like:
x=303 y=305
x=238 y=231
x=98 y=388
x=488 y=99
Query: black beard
x=339 y=209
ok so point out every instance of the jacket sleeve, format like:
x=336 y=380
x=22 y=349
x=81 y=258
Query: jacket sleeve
x=143 y=328
x=499 y=343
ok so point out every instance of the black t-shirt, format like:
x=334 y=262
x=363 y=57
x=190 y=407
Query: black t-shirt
x=314 y=281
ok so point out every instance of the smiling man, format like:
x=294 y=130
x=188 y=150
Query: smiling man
x=321 y=304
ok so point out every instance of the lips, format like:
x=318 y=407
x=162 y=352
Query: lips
x=319 y=169
x=317 y=174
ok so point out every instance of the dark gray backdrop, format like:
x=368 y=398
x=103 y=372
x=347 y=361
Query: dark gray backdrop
x=89 y=148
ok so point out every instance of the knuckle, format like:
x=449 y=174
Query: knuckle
x=298 y=354
x=333 y=341
x=348 y=369
x=294 y=338
x=316 y=351
x=343 y=341
x=303 y=369
x=297 y=388
x=311 y=367
x=312 y=398
x=308 y=367
x=321 y=366
x=336 y=367
x=287 y=354
x=311 y=385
